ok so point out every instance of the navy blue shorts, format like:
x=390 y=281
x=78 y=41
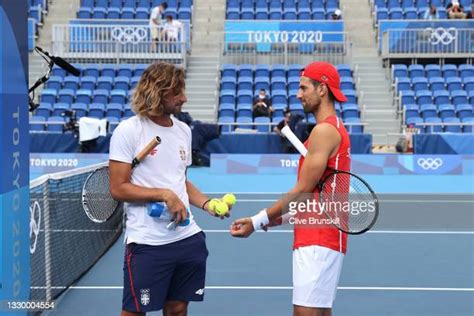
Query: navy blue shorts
x=156 y=274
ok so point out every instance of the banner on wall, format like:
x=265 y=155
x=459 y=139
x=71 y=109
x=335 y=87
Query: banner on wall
x=265 y=33
x=361 y=164
x=442 y=32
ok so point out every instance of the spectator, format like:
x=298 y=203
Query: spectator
x=431 y=13
x=470 y=13
x=262 y=105
x=455 y=10
x=337 y=15
x=171 y=29
x=287 y=147
x=155 y=21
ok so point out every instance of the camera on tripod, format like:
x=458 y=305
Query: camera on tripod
x=71 y=122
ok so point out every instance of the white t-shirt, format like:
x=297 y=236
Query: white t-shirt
x=155 y=14
x=163 y=168
x=172 y=29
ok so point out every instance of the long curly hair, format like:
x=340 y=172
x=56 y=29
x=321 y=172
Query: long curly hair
x=158 y=80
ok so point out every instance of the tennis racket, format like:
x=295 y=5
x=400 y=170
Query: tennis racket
x=349 y=202
x=97 y=201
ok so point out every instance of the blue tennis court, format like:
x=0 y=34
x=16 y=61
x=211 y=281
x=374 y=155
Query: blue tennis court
x=418 y=260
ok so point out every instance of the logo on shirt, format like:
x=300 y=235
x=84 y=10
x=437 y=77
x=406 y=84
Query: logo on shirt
x=145 y=296
x=182 y=153
x=200 y=292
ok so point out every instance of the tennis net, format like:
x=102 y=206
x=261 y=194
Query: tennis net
x=64 y=242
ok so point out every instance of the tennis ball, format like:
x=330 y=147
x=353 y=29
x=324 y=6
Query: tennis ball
x=221 y=209
x=229 y=199
x=212 y=204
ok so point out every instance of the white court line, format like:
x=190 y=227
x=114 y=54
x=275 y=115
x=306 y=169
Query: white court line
x=421 y=232
x=344 y=288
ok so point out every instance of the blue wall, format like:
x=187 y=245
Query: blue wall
x=14 y=142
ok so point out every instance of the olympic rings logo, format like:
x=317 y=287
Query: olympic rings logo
x=129 y=34
x=430 y=163
x=442 y=35
x=35 y=223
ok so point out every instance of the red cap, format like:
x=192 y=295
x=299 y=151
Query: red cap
x=327 y=74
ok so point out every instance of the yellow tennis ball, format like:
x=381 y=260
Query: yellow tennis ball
x=229 y=199
x=212 y=204
x=221 y=209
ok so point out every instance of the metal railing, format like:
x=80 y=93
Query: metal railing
x=116 y=44
x=429 y=42
x=287 y=52
x=248 y=127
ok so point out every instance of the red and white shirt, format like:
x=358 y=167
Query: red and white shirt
x=330 y=237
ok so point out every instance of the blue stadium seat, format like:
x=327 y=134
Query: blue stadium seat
x=59 y=109
x=422 y=3
x=446 y=110
x=433 y=70
x=66 y=96
x=128 y=13
x=393 y=4
x=99 y=13
x=134 y=82
x=105 y=83
x=416 y=71
x=279 y=101
x=381 y=14
x=263 y=128
x=246 y=70
x=380 y=3
x=88 y=83
x=452 y=128
x=44 y=110
x=139 y=69
x=83 y=96
x=118 y=96
x=396 y=14
x=319 y=14
x=304 y=15
x=223 y=120
x=245 y=83
x=227 y=96
x=468 y=84
x=338 y=109
x=411 y=110
x=350 y=110
x=142 y=14
x=113 y=13
x=80 y=109
x=127 y=111
x=91 y=71
x=449 y=70
x=351 y=96
x=278 y=83
x=424 y=97
x=420 y=83
x=113 y=123
x=403 y=83
x=101 y=4
x=399 y=71
x=247 y=15
x=229 y=70
x=244 y=110
x=87 y=3
x=108 y=71
x=244 y=97
x=471 y=97
x=54 y=83
x=131 y=4
x=71 y=83
x=122 y=83
x=231 y=15
x=289 y=15
x=453 y=83
x=100 y=96
x=125 y=70
x=37 y=123
x=55 y=124
x=346 y=83
x=468 y=128
x=437 y=84
x=459 y=97
x=430 y=129
x=262 y=71
x=441 y=97
x=406 y=4
x=227 y=109
x=144 y=4
x=97 y=110
x=294 y=70
x=466 y=71
x=58 y=72
x=296 y=108
x=411 y=14
x=114 y=110
x=261 y=15
x=84 y=13
x=184 y=14
x=428 y=110
x=464 y=110
x=116 y=4
x=354 y=125
x=407 y=97
x=416 y=121
x=228 y=83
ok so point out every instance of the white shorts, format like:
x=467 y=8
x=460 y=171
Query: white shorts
x=316 y=272
x=155 y=32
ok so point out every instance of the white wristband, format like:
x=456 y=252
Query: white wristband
x=260 y=219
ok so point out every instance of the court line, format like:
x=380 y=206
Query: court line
x=344 y=288
x=428 y=232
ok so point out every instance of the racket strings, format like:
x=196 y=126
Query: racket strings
x=350 y=203
x=98 y=201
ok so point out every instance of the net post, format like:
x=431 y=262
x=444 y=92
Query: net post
x=47 y=253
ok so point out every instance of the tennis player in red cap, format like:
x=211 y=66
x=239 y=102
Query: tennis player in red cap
x=317 y=253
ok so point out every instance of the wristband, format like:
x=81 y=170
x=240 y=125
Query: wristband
x=260 y=219
x=204 y=204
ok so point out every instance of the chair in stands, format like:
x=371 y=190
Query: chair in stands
x=244 y=122
x=430 y=129
x=355 y=126
x=411 y=110
x=446 y=110
x=55 y=124
x=468 y=128
x=227 y=109
x=226 y=128
x=97 y=110
x=428 y=110
x=464 y=110
x=452 y=128
x=37 y=123
x=263 y=128
x=59 y=109
x=80 y=109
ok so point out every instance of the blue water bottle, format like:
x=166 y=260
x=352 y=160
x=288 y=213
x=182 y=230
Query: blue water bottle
x=159 y=209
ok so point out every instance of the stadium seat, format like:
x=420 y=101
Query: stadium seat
x=468 y=128
x=464 y=110
x=246 y=70
x=66 y=96
x=227 y=109
x=446 y=110
x=113 y=14
x=228 y=83
x=114 y=110
x=83 y=96
x=80 y=109
x=449 y=70
x=416 y=121
x=122 y=83
x=411 y=110
x=399 y=71
x=99 y=13
x=441 y=97
x=350 y=110
x=353 y=125
x=105 y=83
x=453 y=83
x=403 y=84
x=430 y=129
x=37 y=123
x=226 y=128
x=424 y=97
x=55 y=124
x=459 y=97
x=428 y=110
x=416 y=71
x=466 y=71
x=468 y=83
x=242 y=120
x=263 y=128
x=433 y=71
x=118 y=96
x=84 y=13
x=437 y=84
x=44 y=110
x=245 y=83
x=100 y=96
x=97 y=110
x=452 y=128
x=91 y=71
x=59 y=109
x=420 y=83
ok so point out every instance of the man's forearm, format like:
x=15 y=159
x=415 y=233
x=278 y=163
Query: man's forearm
x=128 y=192
x=196 y=197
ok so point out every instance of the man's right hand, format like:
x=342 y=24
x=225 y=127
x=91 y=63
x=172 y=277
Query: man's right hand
x=176 y=207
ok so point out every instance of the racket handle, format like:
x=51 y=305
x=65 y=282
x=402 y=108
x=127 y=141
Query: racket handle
x=151 y=145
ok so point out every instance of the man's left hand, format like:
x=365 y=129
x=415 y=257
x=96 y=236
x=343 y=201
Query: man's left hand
x=242 y=228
